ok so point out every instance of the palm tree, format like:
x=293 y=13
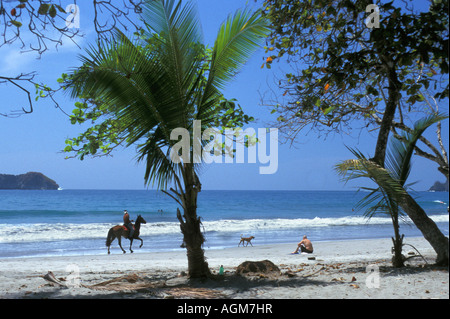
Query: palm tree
x=391 y=181
x=164 y=81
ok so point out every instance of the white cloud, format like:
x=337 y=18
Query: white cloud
x=14 y=61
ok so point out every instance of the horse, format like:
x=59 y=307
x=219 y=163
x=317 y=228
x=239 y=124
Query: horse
x=120 y=231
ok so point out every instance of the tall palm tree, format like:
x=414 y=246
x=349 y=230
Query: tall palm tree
x=391 y=181
x=165 y=81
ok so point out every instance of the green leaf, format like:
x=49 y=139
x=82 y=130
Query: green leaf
x=52 y=11
x=420 y=98
x=60 y=9
x=328 y=110
x=43 y=9
x=16 y=23
x=68 y=148
x=317 y=102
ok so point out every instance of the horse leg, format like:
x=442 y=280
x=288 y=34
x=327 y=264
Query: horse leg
x=108 y=240
x=112 y=239
x=142 y=242
x=131 y=243
x=120 y=244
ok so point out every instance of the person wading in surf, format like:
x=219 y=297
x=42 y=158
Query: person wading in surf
x=127 y=223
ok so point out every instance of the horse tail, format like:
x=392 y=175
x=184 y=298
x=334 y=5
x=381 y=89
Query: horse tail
x=110 y=237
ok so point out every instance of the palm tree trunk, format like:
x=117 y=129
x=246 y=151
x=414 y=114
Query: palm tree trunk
x=397 y=260
x=193 y=240
x=428 y=228
x=190 y=226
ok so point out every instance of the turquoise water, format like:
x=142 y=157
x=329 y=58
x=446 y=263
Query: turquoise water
x=75 y=222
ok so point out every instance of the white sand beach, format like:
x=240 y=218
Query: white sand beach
x=357 y=269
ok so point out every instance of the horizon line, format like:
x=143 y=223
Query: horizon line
x=256 y=190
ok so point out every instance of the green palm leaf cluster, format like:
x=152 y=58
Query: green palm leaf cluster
x=166 y=79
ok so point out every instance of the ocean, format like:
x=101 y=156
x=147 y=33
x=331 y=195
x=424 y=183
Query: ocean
x=76 y=222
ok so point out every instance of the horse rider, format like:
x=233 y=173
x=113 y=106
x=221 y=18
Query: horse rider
x=127 y=223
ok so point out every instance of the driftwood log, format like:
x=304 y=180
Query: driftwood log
x=50 y=277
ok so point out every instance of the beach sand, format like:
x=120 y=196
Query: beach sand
x=357 y=269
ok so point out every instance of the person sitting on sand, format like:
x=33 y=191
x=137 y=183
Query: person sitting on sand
x=127 y=223
x=305 y=246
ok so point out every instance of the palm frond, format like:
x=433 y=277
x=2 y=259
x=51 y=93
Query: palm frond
x=238 y=38
x=130 y=83
x=159 y=169
x=165 y=80
x=390 y=180
x=180 y=50
x=398 y=159
x=378 y=199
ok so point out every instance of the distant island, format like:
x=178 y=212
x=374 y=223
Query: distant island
x=440 y=187
x=30 y=180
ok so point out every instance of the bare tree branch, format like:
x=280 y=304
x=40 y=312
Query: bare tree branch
x=29 y=78
x=39 y=25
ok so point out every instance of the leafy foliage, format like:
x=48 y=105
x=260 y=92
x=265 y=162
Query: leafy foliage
x=342 y=66
x=135 y=92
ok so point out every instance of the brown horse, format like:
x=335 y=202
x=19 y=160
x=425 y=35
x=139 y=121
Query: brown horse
x=121 y=231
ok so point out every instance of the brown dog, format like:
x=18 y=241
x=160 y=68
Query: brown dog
x=246 y=239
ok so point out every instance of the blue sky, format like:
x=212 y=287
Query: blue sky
x=34 y=142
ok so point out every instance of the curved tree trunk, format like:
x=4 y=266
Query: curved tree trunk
x=389 y=114
x=428 y=228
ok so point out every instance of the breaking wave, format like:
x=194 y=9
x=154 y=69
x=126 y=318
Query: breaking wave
x=72 y=231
